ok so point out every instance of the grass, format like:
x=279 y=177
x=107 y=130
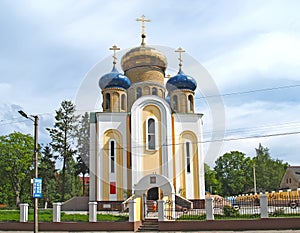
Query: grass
x=46 y=216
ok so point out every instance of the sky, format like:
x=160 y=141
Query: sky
x=249 y=49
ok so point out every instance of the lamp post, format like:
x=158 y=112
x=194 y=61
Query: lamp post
x=35 y=119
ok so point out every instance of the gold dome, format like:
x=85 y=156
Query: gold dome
x=144 y=56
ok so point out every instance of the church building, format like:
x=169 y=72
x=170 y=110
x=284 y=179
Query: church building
x=147 y=138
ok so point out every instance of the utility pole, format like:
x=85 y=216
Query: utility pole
x=35 y=119
x=254 y=178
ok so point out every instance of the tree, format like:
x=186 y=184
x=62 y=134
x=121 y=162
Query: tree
x=16 y=165
x=269 y=172
x=233 y=170
x=47 y=171
x=211 y=183
x=83 y=146
x=62 y=139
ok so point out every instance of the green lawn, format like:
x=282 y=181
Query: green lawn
x=46 y=216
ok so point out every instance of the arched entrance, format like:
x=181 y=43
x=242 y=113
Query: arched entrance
x=152 y=188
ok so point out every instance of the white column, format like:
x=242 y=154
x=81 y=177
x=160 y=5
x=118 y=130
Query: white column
x=56 y=211
x=161 y=210
x=209 y=206
x=24 y=212
x=132 y=214
x=263 y=206
x=92 y=211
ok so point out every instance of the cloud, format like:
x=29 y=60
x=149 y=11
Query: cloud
x=272 y=56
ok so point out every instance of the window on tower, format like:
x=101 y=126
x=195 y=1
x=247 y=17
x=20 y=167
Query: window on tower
x=138 y=92
x=154 y=91
x=112 y=152
x=175 y=103
x=151 y=134
x=188 y=156
x=107 y=101
x=191 y=102
x=123 y=99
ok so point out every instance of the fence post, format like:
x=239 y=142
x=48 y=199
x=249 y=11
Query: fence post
x=161 y=210
x=93 y=211
x=56 y=211
x=263 y=206
x=131 y=206
x=209 y=206
x=24 y=212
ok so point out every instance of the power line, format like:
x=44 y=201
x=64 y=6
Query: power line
x=249 y=91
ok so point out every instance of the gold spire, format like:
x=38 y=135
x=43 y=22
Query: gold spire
x=114 y=48
x=143 y=20
x=180 y=51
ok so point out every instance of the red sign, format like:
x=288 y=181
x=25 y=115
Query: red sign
x=112 y=188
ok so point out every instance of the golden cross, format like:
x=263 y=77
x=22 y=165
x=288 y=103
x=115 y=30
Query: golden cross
x=143 y=20
x=180 y=51
x=114 y=48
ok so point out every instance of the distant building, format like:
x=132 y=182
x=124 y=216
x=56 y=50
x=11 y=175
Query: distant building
x=291 y=178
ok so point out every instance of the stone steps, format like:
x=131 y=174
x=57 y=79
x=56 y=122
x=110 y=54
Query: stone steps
x=149 y=225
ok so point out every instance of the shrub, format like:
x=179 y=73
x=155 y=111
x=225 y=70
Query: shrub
x=229 y=211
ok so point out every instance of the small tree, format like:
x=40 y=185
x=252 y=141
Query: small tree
x=47 y=172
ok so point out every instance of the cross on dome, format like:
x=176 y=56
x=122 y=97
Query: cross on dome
x=143 y=20
x=114 y=48
x=180 y=51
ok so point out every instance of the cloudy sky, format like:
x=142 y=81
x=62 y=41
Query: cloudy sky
x=251 y=49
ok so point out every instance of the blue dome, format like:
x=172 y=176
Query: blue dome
x=114 y=79
x=181 y=81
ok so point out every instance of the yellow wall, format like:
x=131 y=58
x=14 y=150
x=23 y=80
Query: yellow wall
x=152 y=159
x=108 y=135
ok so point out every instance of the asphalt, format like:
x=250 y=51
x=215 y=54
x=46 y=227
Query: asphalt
x=269 y=231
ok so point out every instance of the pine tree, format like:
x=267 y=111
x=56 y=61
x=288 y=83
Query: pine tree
x=83 y=141
x=62 y=139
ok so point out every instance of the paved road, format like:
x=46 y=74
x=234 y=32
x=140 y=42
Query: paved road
x=271 y=231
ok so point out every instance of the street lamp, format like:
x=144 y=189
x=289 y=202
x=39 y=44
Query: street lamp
x=35 y=119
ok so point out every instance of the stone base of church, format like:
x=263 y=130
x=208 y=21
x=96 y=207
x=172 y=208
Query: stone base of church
x=109 y=205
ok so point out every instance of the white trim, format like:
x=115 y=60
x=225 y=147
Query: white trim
x=137 y=133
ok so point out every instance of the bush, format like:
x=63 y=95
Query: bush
x=229 y=211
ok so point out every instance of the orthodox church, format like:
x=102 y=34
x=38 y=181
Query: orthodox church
x=146 y=141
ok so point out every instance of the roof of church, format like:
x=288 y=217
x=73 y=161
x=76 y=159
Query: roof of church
x=114 y=79
x=143 y=56
x=181 y=81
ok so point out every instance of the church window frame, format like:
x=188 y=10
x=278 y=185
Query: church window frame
x=138 y=92
x=112 y=155
x=151 y=134
x=107 y=101
x=123 y=100
x=188 y=150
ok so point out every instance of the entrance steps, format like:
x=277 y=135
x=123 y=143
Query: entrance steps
x=150 y=224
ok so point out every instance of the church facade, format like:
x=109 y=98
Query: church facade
x=147 y=128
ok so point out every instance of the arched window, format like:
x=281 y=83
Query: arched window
x=123 y=99
x=175 y=103
x=138 y=92
x=112 y=155
x=151 y=134
x=154 y=91
x=107 y=101
x=191 y=103
x=188 y=156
